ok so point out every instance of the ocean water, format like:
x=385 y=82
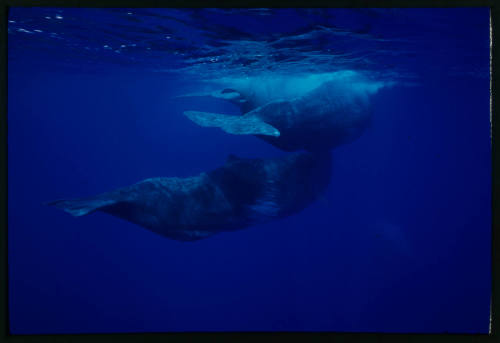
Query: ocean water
x=399 y=241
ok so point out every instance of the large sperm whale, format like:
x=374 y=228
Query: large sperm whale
x=332 y=110
x=240 y=193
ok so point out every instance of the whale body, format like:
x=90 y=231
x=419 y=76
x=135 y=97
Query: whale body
x=318 y=117
x=241 y=193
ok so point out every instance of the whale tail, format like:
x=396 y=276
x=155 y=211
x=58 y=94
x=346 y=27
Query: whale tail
x=236 y=125
x=81 y=207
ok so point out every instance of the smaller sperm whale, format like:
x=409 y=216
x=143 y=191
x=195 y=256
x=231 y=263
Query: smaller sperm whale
x=241 y=193
x=334 y=111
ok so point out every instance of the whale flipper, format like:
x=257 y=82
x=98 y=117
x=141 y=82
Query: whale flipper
x=236 y=125
x=225 y=94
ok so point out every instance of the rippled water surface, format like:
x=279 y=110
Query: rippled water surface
x=208 y=42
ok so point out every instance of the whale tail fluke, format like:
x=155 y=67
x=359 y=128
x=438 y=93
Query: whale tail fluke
x=81 y=207
x=236 y=125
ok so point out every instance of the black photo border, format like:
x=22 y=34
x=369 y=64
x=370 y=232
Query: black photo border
x=236 y=337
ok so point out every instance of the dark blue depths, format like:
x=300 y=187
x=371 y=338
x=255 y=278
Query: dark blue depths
x=400 y=241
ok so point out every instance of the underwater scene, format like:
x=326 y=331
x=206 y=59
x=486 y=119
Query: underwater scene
x=250 y=169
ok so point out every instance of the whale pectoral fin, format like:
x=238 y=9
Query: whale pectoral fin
x=225 y=94
x=236 y=125
x=193 y=95
x=81 y=207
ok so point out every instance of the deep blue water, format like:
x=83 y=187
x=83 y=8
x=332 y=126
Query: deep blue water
x=400 y=242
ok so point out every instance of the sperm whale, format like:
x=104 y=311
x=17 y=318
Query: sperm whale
x=329 y=112
x=241 y=193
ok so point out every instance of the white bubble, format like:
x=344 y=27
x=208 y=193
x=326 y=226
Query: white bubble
x=12 y=21
x=48 y=18
x=59 y=17
x=129 y=13
x=36 y=30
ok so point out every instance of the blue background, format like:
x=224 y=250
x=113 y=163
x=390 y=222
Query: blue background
x=399 y=243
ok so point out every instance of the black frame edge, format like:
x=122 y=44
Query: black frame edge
x=239 y=337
